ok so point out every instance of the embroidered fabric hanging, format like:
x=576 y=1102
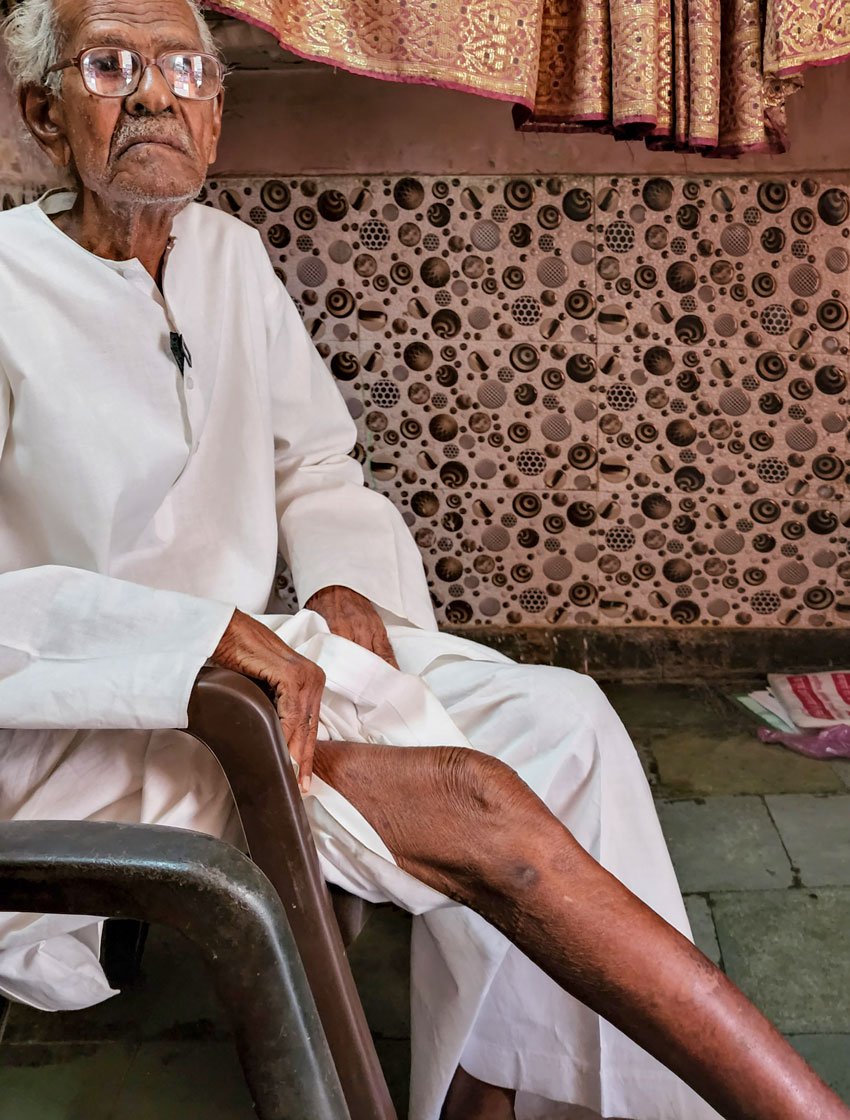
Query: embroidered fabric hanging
x=803 y=33
x=489 y=47
x=708 y=76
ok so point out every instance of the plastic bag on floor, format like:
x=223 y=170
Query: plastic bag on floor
x=825 y=743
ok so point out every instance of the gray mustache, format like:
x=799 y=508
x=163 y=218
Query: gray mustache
x=140 y=131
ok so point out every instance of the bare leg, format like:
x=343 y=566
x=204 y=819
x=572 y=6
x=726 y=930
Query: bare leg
x=468 y=826
x=471 y=1099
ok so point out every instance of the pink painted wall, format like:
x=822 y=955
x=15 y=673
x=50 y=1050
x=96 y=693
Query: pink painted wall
x=312 y=119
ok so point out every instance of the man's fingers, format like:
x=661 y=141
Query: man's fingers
x=343 y=626
x=382 y=647
x=305 y=765
x=354 y=618
x=371 y=634
x=299 y=729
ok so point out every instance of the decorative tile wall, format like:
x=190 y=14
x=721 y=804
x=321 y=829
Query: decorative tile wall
x=596 y=401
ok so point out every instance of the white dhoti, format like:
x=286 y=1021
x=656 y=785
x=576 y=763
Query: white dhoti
x=476 y=999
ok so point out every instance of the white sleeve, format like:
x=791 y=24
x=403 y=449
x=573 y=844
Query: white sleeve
x=333 y=530
x=79 y=649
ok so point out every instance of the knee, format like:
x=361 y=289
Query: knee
x=498 y=816
x=479 y=786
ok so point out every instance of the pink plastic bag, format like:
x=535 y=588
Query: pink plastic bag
x=826 y=742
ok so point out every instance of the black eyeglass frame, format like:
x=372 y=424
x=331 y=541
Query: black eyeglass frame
x=145 y=62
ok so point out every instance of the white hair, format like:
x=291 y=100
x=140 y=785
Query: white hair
x=34 y=41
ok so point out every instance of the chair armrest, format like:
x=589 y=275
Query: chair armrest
x=232 y=715
x=222 y=902
x=238 y=723
x=235 y=717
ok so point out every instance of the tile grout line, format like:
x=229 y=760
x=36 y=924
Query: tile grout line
x=113 y=1113
x=797 y=879
x=49 y=1043
x=709 y=901
x=594 y=180
x=803 y=889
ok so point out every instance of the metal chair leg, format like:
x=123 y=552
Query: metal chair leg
x=221 y=901
x=238 y=723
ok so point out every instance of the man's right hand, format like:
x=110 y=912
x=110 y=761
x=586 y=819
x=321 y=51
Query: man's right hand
x=249 y=647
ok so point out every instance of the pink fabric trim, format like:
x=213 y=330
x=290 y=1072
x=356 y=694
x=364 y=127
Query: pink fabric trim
x=578 y=117
x=405 y=78
x=619 y=121
x=659 y=141
x=788 y=71
x=591 y=118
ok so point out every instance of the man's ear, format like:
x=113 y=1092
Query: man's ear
x=218 y=108
x=43 y=116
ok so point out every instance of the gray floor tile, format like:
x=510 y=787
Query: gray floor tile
x=380 y=961
x=710 y=761
x=172 y=999
x=647 y=760
x=184 y=1081
x=394 y=1056
x=816 y=832
x=790 y=953
x=67 y=1081
x=842 y=769
x=672 y=705
x=724 y=843
x=702 y=926
x=829 y=1056
x=173 y=1008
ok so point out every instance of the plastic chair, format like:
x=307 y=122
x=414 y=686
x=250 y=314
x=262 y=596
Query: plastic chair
x=237 y=721
x=222 y=902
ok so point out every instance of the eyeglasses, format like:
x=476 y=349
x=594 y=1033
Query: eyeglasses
x=117 y=72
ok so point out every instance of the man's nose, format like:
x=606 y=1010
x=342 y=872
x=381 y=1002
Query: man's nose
x=153 y=94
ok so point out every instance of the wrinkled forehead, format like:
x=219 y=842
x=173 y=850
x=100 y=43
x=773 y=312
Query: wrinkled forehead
x=149 y=25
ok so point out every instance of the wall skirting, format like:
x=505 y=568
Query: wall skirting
x=681 y=656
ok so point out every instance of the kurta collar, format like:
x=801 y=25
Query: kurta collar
x=60 y=199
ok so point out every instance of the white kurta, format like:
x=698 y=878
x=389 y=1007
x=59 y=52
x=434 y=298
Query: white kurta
x=137 y=508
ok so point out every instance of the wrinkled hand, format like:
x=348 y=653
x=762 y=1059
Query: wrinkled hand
x=249 y=647
x=352 y=616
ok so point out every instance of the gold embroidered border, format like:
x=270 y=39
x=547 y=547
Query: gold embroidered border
x=486 y=46
x=799 y=34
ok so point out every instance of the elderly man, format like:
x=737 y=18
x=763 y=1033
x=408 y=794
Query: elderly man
x=164 y=425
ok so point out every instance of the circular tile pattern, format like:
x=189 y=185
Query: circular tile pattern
x=615 y=401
